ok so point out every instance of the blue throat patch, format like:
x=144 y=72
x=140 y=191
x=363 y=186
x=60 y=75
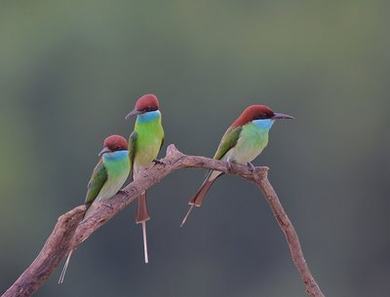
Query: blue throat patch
x=148 y=116
x=264 y=124
x=114 y=156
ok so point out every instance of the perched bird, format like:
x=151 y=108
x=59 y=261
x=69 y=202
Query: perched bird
x=144 y=145
x=242 y=142
x=107 y=178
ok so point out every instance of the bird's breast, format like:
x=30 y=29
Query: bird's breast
x=148 y=143
x=117 y=165
x=250 y=144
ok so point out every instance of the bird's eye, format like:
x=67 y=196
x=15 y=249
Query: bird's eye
x=150 y=108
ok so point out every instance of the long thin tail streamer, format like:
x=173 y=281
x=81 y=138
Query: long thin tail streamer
x=65 y=268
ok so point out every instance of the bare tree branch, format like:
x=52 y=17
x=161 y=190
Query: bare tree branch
x=71 y=229
x=54 y=250
x=311 y=286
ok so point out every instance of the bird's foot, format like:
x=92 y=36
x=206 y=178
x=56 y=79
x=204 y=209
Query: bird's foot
x=229 y=166
x=123 y=192
x=251 y=167
x=158 y=162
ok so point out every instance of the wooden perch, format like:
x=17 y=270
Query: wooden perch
x=71 y=229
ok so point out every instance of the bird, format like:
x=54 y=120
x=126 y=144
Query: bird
x=145 y=143
x=242 y=142
x=108 y=176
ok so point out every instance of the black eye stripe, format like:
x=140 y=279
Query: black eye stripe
x=264 y=116
x=117 y=148
x=150 y=108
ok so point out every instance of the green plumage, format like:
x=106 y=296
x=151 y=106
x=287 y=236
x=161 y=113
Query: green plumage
x=240 y=144
x=229 y=140
x=251 y=142
x=146 y=140
x=96 y=182
x=108 y=176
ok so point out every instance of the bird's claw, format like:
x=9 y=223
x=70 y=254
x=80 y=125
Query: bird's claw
x=159 y=162
x=123 y=191
x=229 y=166
x=251 y=167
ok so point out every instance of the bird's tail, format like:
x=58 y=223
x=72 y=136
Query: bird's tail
x=142 y=217
x=198 y=198
x=66 y=264
x=65 y=268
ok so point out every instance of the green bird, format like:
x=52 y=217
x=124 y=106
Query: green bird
x=107 y=178
x=144 y=145
x=242 y=142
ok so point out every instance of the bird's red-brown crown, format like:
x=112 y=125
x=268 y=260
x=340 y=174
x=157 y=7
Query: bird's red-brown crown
x=253 y=112
x=115 y=143
x=147 y=102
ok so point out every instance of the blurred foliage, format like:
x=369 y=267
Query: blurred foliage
x=71 y=70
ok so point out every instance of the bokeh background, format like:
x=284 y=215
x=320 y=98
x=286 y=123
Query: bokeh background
x=71 y=70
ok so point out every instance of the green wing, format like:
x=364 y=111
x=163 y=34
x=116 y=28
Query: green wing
x=229 y=140
x=131 y=148
x=162 y=142
x=95 y=184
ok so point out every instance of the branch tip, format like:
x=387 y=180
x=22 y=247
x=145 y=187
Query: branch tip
x=171 y=149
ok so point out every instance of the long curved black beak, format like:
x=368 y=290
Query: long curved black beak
x=133 y=113
x=103 y=151
x=282 y=116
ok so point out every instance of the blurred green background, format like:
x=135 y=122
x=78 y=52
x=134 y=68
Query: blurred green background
x=71 y=70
